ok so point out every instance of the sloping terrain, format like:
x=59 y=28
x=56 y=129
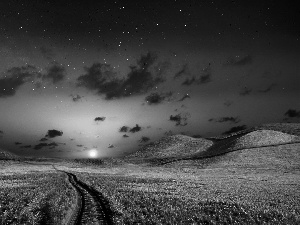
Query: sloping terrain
x=172 y=147
x=4 y=155
x=254 y=139
x=181 y=147
x=289 y=128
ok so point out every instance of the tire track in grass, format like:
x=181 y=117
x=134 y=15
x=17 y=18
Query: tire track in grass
x=92 y=208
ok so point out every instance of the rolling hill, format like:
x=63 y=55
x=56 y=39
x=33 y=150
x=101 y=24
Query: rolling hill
x=4 y=155
x=181 y=147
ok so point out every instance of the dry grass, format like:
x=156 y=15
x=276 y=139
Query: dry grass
x=33 y=195
x=191 y=195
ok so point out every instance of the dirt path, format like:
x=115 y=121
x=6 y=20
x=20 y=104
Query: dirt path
x=93 y=208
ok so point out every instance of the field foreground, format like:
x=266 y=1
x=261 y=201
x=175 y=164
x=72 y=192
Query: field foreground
x=249 y=185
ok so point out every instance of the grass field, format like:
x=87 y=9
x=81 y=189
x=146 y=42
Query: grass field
x=246 y=184
x=33 y=194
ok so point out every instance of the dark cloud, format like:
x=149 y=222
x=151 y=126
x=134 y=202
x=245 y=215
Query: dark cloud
x=189 y=81
x=235 y=129
x=135 y=129
x=76 y=98
x=103 y=79
x=183 y=71
x=245 y=91
x=292 y=113
x=18 y=143
x=239 y=61
x=225 y=119
x=40 y=146
x=16 y=77
x=184 y=97
x=79 y=145
x=156 y=98
x=228 y=103
x=43 y=139
x=197 y=136
x=125 y=136
x=55 y=72
x=53 y=133
x=111 y=146
x=124 y=129
x=180 y=119
x=268 y=88
x=144 y=139
x=43 y=145
x=203 y=78
x=25 y=146
x=1 y=132
x=168 y=133
x=47 y=53
x=100 y=118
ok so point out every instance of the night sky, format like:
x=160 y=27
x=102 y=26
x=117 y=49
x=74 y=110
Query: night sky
x=115 y=75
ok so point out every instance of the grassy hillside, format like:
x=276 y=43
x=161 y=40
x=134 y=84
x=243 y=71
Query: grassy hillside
x=181 y=147
x=4 y=155
x=171 y=147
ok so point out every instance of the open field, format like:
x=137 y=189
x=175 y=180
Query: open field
x=246 y=178
x=33 y=194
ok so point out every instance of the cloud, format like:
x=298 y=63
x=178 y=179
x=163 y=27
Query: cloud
x=53 y=133
x=203 y=78
x=197 y=136
x=135 y=129
x=239 y=61
x=180 y=119
x=144 y=139
x=225 y=119
x=189 y=81
x=245 y=91
x=43 y=145
x=156 y=98
x=79 y=145
x=16 y=77
x=183 y=71
x=269 y=88
x=47 y=53
x=168 y=133
x=125 y=136
x=43 y=139
x=228 y=103
x=235 y=129
x=124 y=129
x=103 y=79
x=18 y=143
x=184 y=97
x=55 y=72
x=76 y=98
x=25 y=146
x=100 y=118
x=292 y=113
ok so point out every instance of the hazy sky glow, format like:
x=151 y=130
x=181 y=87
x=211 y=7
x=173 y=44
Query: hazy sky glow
x=115 y=75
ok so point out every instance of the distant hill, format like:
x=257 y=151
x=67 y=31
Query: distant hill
x=172 y=146
x=253 y=139
x=181 y=147
x=4 y=155
x=289 y=128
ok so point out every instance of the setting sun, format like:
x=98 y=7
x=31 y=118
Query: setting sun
x=93 y=153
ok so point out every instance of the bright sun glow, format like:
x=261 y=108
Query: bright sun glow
x=93 y=153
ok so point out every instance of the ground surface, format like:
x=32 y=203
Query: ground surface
x=254 y=180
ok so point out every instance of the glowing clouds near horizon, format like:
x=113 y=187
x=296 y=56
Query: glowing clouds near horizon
x=93 y=153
